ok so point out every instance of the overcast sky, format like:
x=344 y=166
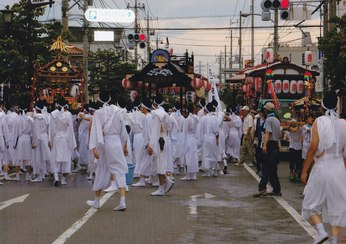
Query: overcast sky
x=205 y=44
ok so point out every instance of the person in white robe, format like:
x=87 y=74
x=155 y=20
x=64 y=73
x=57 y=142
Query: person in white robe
x=62 y=142
x=3 y=135
x=41 y=151
x=325 y=192
x=145 y=163
x=108 y=140
x=201 y=112
x=22 y=133
x=8 y=127
x=137 y=132
x=306 y=135
x=178 y=155
x=234 y=136
x=157 y=146
x=189 y=142
x=86 y=157
x=207 y=137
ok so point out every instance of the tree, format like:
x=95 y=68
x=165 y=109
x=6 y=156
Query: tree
x=333 y=46
x=107 y=71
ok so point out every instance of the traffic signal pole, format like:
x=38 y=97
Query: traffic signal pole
x=276 y=36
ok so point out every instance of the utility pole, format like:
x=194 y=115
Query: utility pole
x=220 y=66
x=225 y=63
x=136 y=27
x=85 y=52
x=332 y=15
x=253 y=32
x=64 y=18
x=276 y=37
x=148 y=37
x=240 y=44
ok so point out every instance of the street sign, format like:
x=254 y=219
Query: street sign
x=110 y=15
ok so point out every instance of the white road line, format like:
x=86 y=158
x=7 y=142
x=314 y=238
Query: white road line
x=302 y=222
x=79 y=223
x=8 y=203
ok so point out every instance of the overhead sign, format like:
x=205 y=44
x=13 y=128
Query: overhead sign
x=110 y=15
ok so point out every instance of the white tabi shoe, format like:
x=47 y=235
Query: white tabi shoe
x=93 y=204
x=156 y=183
x=126 y=188
x=321 y=238
x=187 y=177
x=149 y=180
x=193 y=176
x=17 y=178
x=27 y=177
x=168 y=185
x=9 y=179
x=112 y=187
x=38 y=179
x=140 y=183
x=121 y=207
x=63 y=181
x=159 y=192
x=1 y=184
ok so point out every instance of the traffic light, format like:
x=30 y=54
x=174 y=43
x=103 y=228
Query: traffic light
x=138 y=38
x=266 y=5
x=284 y=9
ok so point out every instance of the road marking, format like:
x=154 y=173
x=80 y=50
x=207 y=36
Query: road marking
x=193 y=202
x=79 y=223
x=13 y=201
x=302 y=222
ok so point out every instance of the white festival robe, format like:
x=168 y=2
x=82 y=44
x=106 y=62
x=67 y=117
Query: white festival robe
x=189 y=142
x=208 y=129
x=109 y=136
x=22 y=132
x=85 y=157
x=9 y=155
x=137 y=124
x=63 y=141
x=41 y=152
x=234 y=136
x=325 y=191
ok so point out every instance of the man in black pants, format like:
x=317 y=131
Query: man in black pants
x=271 y=154
x=259 y=132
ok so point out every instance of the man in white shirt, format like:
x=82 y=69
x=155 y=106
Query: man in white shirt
x=246 y=149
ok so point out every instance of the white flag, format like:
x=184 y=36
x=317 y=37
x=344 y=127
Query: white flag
x=213 y=93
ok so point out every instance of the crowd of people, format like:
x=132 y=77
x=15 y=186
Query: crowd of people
x=161 y=141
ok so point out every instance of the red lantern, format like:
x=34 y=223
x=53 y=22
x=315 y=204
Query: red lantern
x=125 y=83
x=293 y=87
x=133 y=95
x=308 y=58
x=286 y=86
x=196 y=83
x=300 y=87
x=258 y=84
x=278 y=86
x=269 y=55
x=207 y=86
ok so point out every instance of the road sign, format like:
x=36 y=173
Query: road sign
x=110 y=15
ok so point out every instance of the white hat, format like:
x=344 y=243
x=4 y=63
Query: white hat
x=246 y=108
x=269 y=106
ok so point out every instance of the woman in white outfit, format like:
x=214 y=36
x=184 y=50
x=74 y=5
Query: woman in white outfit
x=325 y=192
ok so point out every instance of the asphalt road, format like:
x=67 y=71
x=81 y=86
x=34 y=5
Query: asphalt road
x=209 y=210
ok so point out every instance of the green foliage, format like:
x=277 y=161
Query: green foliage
x=230 y=98
x=107 y=70
x=333 y=46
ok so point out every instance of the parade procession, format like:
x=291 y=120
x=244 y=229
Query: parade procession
x=145 y=121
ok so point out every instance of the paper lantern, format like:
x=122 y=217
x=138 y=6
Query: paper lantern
x=125 y=83
x=286 y=86
x=269 y=55
x=300 y=87
x=207 y=86
x=74 y=90
x=293 y=87
x=133 y=95
x=258 y=84
x=196 y=83
x=308 y=57
x=278 y=86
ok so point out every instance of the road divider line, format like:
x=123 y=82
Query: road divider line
x=79 y=223
x=297 y=217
